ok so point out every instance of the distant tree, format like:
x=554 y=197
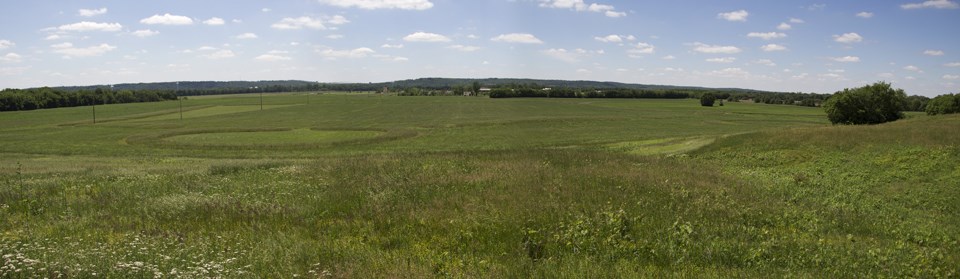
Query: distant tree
x=475 y=87
x=944 y=104
x=872 y=104
x=707 y=99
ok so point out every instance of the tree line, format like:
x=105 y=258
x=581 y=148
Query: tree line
x=45 y=97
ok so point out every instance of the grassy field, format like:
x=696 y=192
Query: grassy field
x=362 y=185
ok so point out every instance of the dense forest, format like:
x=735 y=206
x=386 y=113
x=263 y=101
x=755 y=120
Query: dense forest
x=39 y=98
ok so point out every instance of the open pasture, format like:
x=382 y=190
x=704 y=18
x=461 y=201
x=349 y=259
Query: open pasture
x=364 y=185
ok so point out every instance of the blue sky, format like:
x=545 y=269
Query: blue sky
x=809 y=46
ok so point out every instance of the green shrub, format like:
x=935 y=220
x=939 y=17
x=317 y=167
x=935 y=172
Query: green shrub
x=872 y=104
x=944 y=104
x=707 y=99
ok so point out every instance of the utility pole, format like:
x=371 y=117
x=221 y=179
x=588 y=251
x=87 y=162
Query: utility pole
x=177 y=92
x=94 y=111
x=261 y=97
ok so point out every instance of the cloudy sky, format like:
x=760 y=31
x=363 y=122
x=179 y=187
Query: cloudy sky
x=819 y=46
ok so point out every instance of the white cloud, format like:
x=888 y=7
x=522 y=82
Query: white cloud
x=520 y=38
x=334 y=36
x=933 y=52
x=583 y=71
x=381 y=4
x=245 y=36
x=426 y=37
x=352 y=53
x=639 y=49
x=464 y=48
x=609 y=39
x=53 y=37
x=935 y=4
x=797 y=20
x=272 y=57
x=668 y=57
x=705 y=48
x=206 y=48
x=951 y=76
x=67 y=49
x=886 y=75
x=11 y=58
x=221 y=54
x=722 y=60
x=5 y=44
x=912 y=68
x=910 y=78
x=391 y=46
x=846 y=59
x=92 y=12
x=765 y=62
x=740 y=15
x=773 y=47
x=338 y=20
x=864 y=14
x=562 y=55
x=767 y=36
x=784 y=26
x=167 y=19
x=730 y=73
x=214 y=21
x=952 y=64
x=84 y=26
x=581 y=6
x=289 y=23
x=266 y=10
x=144 y=33
x=848 y=38
x=837 y=70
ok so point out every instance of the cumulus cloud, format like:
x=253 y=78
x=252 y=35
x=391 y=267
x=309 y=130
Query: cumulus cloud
x=765 y=62
x=381 y=4
x=784 y=26
x=740 y=15
x=85 y=26
x=668 y=57
x=246 y=36
x=864 y=14
x=334 y=36
x=338 y=20
x=952 y=64
x=797 y=20
x=91 y=12
x=640 y=49
x=144 y=33
x=846 y=59
x=933 y=52
x=333 y=54
x=11 y=58
x=426 y=37
x=912 y=68
x=730 y=73
x=391 y=46
x=464 y=48
x=167 y=19
x=722 y=60
x=562 y=55
x=951 y=76
x=931 y=4
x=68 y=50
x=705 y=48
x=848 y=38
x=767 y=35
x=520 y=38
x=290 y=23
x=610 y=39
x=581 y=6
x=5 y=44
x=214 y=21
x=273 y=56
x=773 y=47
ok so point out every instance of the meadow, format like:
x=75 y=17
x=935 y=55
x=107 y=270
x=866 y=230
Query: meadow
x=367 y=185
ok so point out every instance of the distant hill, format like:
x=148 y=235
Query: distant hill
x=426 y=83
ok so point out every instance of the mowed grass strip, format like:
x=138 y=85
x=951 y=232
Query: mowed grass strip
x=254 y=138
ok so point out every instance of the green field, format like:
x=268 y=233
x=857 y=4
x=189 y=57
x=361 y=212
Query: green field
x=371 y=186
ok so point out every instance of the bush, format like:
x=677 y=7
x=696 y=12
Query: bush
x=707 y=99
x=872 y=104
x=944 y=104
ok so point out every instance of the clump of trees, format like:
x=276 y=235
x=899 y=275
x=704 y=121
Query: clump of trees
x=707 y=100
x=45 y=97
x=944 y=104
x=872 y=104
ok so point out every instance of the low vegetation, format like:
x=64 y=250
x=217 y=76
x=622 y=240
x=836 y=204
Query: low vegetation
x=944 y=104
x=364 y=185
